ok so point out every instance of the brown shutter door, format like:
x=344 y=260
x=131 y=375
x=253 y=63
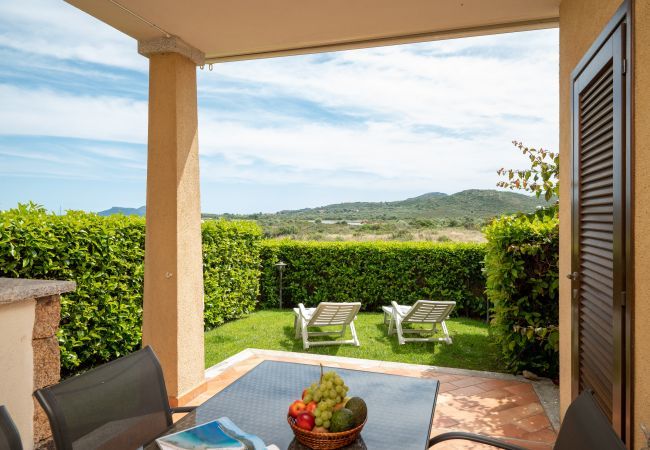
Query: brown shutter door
x=598 y=223
x=596 y=238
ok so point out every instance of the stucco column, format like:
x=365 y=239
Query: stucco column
x=173 y=270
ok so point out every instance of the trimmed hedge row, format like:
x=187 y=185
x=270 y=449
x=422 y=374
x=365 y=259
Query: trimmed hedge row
x=521 y=265
x=231 y=269
x=374 y=273
x=101 y=319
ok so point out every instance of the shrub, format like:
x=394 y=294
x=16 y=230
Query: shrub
x=374 y=273
x=101 y=319
x=521 y=267
x=231 y=269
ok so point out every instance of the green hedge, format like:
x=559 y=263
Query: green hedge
x=231 y=269
x=101 y=319
x=374 y=273
x=521 y=266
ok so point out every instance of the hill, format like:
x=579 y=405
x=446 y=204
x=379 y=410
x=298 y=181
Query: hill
x=472 y=203
x=126 y=211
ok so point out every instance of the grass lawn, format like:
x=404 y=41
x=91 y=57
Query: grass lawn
x=273 y=330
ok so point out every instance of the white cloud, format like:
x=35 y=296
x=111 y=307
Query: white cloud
x=56 y=29
x=434 y=116
x=30 y=111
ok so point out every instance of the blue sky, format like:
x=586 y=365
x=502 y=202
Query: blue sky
x=367 y=125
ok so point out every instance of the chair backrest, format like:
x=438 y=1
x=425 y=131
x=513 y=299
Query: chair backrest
x=585 y=427
x=330 y=313
x=9 y=436
x=428 y=311
x=121 y=404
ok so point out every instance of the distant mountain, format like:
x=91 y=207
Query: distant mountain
x=473 y=203
x=125 y=211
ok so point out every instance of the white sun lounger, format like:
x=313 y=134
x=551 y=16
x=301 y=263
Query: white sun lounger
x=327 y=314
x=423 y=311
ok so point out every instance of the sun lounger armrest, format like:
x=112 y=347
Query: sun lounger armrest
x=303 y=311
x=396 y=309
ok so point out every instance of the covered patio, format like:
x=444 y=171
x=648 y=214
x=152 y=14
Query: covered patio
x=179 y=37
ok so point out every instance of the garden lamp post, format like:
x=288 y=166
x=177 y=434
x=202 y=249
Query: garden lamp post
x=281 y=265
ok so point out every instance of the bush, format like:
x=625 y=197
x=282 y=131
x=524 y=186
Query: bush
x=374 y=273
x=521 y=267
x=101 y=319
x=231 y=269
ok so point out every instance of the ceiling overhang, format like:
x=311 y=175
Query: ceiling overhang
x=232 y=30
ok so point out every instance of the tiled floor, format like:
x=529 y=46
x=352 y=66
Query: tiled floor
x=496 y=405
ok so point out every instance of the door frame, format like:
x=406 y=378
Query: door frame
x=624 y=14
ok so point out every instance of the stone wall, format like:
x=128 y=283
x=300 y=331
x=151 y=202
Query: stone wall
x=30 y=311
x=47 y=361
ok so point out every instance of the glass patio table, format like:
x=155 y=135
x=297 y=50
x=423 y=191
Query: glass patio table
x=400 y=409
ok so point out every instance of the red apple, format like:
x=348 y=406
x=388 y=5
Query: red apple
x=311 y=406
x=305 y=421
x=296 y=408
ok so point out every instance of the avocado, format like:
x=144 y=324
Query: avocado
x=342 y=420
x=358 y=408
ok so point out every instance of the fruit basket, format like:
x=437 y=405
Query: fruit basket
x=325 y=418
x=325 y=441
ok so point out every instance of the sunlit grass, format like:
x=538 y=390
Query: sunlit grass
x=273 y=330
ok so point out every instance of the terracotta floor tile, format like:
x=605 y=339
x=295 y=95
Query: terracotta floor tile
x=534 y=423
x=546 y=435
x=469 y=381
x=520 y=388
x=468 y=390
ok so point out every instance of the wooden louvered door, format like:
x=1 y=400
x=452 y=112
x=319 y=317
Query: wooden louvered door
x=598 y=208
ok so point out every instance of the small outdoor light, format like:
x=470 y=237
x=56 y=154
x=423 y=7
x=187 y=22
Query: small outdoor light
x=281 y=265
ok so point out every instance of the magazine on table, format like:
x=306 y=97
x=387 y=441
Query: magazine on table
x=220 y=434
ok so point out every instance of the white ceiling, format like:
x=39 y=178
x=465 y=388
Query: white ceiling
x=226 y=30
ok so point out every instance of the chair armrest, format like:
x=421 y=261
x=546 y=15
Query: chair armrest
x=182 y=409
x=473 y=437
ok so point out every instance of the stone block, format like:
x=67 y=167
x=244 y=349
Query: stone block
x=47 y=363
x=48 y=316
x=42 y=431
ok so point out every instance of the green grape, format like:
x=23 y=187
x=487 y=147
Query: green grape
x=307 y=398
x=317 y=412
x=313 y=386
x=338 y=399
x=326 y=424
x=339 y=389
x=332 y=394
x=319 y=421
x=317 y=396
x=338 y=381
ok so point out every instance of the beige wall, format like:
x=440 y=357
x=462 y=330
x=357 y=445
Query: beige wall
x=641 y=347
x=16 y=353
x=580 y=23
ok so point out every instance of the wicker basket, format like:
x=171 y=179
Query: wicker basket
x=325 y=441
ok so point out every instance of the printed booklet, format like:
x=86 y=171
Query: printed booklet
x=220 y=434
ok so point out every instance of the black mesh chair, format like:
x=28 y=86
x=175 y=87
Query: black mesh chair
x=120 y=405
x=9 y=437
x=585 y=427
